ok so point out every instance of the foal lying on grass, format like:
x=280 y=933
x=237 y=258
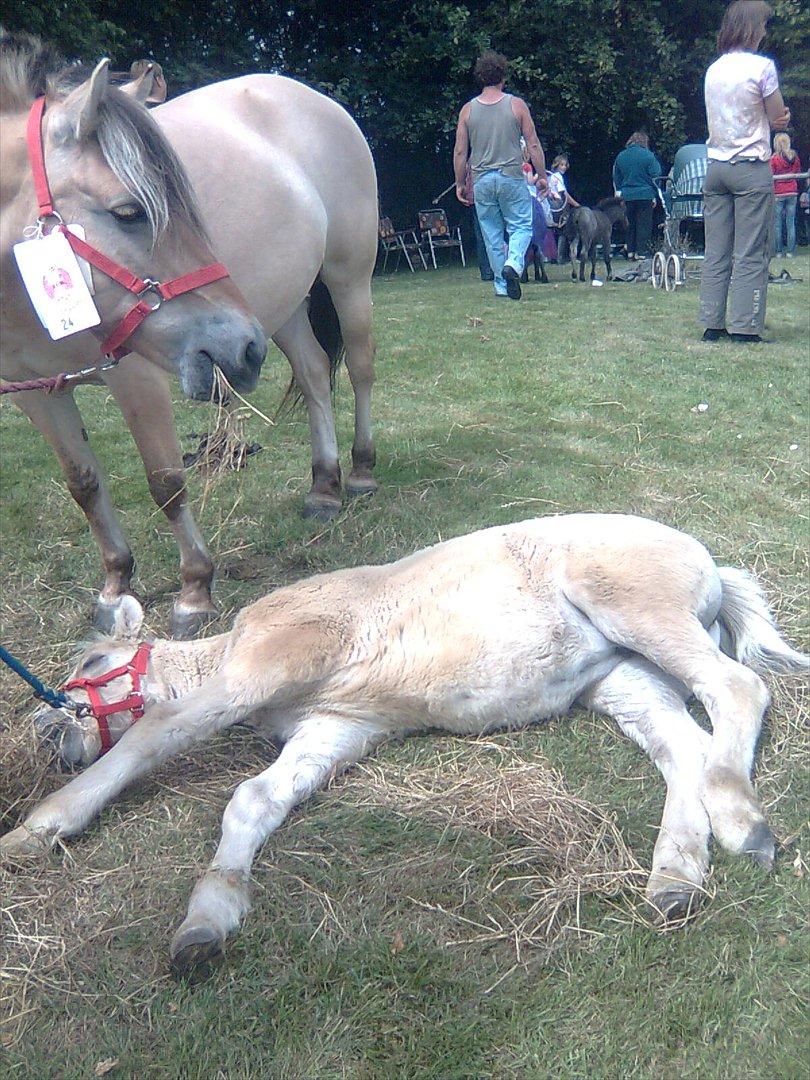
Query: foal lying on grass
x=499 y=628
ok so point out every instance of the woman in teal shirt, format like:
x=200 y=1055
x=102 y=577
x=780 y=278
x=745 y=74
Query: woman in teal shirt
x=635 y=171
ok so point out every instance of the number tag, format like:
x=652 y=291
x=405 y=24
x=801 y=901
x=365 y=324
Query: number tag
x=55 y=285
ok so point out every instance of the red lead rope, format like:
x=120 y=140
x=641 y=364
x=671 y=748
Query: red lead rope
x=162 y=291
x=133 y=702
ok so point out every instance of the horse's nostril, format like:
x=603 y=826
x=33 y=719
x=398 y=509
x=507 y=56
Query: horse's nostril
x=256 y=352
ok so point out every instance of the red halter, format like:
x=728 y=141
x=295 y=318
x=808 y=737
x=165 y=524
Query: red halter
x=161 y=291
x=136 y=669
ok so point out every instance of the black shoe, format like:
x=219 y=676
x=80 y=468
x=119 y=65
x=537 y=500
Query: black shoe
x=711 y=334
x=487 y=277
x=747 y=339
x=512 y=279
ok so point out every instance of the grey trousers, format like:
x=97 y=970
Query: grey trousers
x=738 y=210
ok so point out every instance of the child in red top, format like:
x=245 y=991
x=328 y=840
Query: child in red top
x=785 y=160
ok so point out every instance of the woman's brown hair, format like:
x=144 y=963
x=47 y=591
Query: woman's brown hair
x=639 y=138
x=743 y=26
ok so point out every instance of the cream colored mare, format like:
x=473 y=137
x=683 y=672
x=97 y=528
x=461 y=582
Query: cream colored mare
x=287 y=189
x=500 y=628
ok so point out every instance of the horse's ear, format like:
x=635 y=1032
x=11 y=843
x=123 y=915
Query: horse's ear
x=147 y=83
x=128 y=619
x=86 y=100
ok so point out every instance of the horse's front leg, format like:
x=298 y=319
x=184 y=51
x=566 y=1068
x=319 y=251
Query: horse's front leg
x=650 y=709
x=165 y=730
x=321 y=746
x=143 y=394
x=310 y=367
x=58 y=418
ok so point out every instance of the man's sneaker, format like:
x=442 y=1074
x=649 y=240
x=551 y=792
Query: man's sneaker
x=512 y=279
x=712 y=334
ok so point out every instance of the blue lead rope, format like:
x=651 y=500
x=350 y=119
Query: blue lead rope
x=54 y=699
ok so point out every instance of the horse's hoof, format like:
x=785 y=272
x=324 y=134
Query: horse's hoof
x=321 y=507
x=190 y=624
x=22 y=846
x=760 y=845
x=196 y=952
x=358 y=486
x=673 y=905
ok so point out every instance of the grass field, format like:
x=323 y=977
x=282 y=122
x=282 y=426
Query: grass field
x=350 y=966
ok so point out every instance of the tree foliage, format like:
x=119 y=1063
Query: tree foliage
x=591 y=70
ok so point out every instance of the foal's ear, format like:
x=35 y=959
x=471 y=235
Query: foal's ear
x=128 y=619
x=86 y=99
x=147 y=84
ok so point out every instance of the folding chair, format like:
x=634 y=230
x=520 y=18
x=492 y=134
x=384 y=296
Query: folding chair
x=404 y=242
x=435 y=228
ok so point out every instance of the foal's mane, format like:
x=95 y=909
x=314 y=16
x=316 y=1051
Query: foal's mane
x=130 y=141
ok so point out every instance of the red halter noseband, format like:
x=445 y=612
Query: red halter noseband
x=136 y=669
x=161 y=291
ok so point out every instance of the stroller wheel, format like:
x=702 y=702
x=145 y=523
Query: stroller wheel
x=658 y=268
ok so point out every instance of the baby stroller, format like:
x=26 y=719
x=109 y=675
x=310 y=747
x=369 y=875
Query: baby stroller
x=681 y=233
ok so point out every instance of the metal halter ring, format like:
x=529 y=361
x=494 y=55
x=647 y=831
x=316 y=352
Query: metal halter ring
x=150 y=286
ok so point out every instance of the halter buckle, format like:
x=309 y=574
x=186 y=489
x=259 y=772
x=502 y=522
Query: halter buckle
x=150 y=286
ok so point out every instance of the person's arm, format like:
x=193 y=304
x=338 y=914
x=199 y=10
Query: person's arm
x=570 y=201
x=533 y=145
x=655 y=173
x=617 y=177
x=777 y=112
x=460 y=152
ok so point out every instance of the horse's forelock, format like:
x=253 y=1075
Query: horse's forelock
x=137 y=152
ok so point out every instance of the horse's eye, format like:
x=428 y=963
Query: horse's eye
x=129 y=214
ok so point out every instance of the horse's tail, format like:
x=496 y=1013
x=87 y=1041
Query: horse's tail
x=326 y=327
x=748 y=630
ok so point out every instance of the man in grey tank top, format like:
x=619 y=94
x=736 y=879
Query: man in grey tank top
x=489 y=130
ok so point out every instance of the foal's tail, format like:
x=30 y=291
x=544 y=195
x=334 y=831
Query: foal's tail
x=326 y=327
x=748 y=630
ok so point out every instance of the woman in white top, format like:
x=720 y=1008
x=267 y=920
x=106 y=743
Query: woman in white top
x=743 y=103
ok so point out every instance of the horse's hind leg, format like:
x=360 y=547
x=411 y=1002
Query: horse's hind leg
x=321 y=746
x=143 y=394
x=352 y=300
x=661 y=615
x=310 y=367
x=650 y=709
x=57 y=417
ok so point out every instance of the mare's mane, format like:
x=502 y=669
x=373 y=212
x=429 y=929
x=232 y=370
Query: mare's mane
x=130 y=141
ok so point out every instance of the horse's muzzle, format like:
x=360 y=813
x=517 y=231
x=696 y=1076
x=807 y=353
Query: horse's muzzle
x=240 y=365
x=58 y=734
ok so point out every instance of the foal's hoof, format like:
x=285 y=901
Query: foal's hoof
x=358 y=486
x=321 y=507
x=190 y=624
x=760 y=845
x=22 y=846
x=673 y=905
x=196 y=952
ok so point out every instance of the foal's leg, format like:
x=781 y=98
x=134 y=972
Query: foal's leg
x=57 y=417
x=165 y=730
x=321 y=746
x=142 y=392
x=310 y=366
x=651 y=617
x=352 y=300
x=650 y=709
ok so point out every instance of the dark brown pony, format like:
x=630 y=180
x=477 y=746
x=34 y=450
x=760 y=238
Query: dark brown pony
x=587 y=228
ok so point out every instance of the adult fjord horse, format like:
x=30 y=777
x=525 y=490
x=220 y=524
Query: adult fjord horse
x=288 y=188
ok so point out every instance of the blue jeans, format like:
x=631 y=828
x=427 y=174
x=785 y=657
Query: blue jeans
x=784 y=215
x=503 y=203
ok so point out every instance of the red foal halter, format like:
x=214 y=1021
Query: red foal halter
x=141 y=287
x=133 y=702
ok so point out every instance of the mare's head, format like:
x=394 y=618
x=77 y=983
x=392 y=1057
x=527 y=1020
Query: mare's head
x=76 y=739
x=111 y=170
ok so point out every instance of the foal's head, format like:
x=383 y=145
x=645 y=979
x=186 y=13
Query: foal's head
x=76 y=738
x=111 y=170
